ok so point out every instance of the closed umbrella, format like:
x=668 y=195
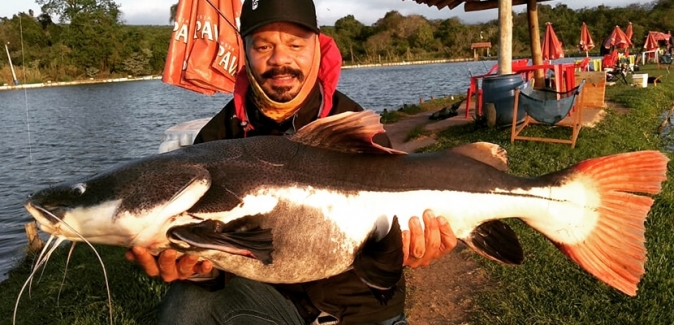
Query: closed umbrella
x=205 y=50
x=628 y=33
x=552 y=47
x=586 y=43
x=651 y=42
x=617 y=39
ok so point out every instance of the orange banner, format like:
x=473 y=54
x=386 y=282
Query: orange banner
x=206 y=50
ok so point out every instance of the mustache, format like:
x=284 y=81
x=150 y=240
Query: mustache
x=276 y=71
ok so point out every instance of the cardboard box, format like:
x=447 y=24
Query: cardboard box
x=594 y=89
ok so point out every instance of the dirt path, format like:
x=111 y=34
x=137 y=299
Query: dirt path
x=398 y=131
x=441 y=293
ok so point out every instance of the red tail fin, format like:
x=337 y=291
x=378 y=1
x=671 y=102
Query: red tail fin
x=614 y=251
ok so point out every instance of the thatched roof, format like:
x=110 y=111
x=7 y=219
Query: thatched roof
x=471 y=5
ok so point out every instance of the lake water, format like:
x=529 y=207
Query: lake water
x=49 y=135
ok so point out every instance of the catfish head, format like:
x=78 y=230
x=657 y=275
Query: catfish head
x=134 y=204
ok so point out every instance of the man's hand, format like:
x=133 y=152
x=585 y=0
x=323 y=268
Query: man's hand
x=168 y=266
x=421 y=246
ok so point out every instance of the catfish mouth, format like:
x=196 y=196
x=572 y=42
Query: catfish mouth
x=47 y=217
x=45 y=214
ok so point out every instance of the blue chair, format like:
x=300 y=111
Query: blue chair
x=547 y=107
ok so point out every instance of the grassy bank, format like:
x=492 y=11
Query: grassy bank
x=547 y=289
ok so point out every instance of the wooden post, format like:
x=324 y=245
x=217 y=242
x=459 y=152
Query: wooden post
x=505 y=45
x=35 y=243
x=535 y=36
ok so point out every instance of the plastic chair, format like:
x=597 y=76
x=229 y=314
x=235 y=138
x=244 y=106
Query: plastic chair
x=583 y=65
x=610 y=60
x=549 y=108
x=473 y=89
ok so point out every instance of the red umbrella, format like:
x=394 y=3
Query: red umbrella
x=205 y=51
x=617 y=39
x=586 y=43
x=552 y=47
x=652 y=41
x=628 y=33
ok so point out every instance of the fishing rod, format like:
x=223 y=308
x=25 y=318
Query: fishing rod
x=25 y=92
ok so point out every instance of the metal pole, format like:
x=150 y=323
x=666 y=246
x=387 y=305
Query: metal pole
x=16 y=81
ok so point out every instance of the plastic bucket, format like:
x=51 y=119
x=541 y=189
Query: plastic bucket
x=640 y=79
x=500 y=90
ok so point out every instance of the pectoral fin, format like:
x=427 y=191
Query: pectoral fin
x=380 y=263
x=253 y=242
x=497 y=241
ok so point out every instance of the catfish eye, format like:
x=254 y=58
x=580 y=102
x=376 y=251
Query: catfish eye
x=79 y=189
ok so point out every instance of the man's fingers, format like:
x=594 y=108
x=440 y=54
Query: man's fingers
x=406 y=246
x=447 y=236
x=204 y=267
x=432 y=234
x=186 y=266
x=129 y=255
x=145 y=260
x=417 y=241
x=167 y=265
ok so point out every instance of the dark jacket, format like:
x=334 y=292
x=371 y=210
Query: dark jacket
x=344 y=296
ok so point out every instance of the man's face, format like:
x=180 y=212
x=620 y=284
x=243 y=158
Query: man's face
x=280 y=56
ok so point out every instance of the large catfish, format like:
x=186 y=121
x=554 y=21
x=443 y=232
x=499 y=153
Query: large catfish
x=326 y=200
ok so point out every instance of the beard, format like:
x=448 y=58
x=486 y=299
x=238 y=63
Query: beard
x=281 y=94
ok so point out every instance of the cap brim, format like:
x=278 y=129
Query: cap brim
x=278 y=20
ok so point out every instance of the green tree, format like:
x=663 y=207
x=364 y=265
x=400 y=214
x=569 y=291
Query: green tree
x=172 y=13
x=348 y=35
x=138 y=63
x=92 y=37
x=67 y=10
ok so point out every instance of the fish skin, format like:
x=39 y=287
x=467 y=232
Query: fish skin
x=321 y=210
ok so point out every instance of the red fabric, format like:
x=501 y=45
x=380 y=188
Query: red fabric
x=586 y=43
x=552 y=47
x=205 y=49
x=610 y=60
x=329 y=71
x=628 y=33
x=583 y=65
x=180 y=47
x=618 y=38
x=653 y=38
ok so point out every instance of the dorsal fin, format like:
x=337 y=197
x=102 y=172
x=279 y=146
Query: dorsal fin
x=349 y=132
x=488 y=153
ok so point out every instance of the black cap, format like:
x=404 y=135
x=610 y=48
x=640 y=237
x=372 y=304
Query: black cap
x=257 y=13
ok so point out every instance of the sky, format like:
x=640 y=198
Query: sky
x=156 y=12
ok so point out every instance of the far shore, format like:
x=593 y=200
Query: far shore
x=111 y=80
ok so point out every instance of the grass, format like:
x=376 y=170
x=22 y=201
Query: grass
x=547 y=289
x=83 y=297
x=416 y=133
x=550 y=289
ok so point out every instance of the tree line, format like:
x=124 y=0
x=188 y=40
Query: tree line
x=90 y=40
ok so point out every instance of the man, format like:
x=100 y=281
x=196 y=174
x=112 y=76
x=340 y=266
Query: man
x=290 y=80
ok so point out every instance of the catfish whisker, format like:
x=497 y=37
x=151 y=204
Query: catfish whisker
x=65 y=271
x=100 y=260
x=38 y=262
x=32 y=274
